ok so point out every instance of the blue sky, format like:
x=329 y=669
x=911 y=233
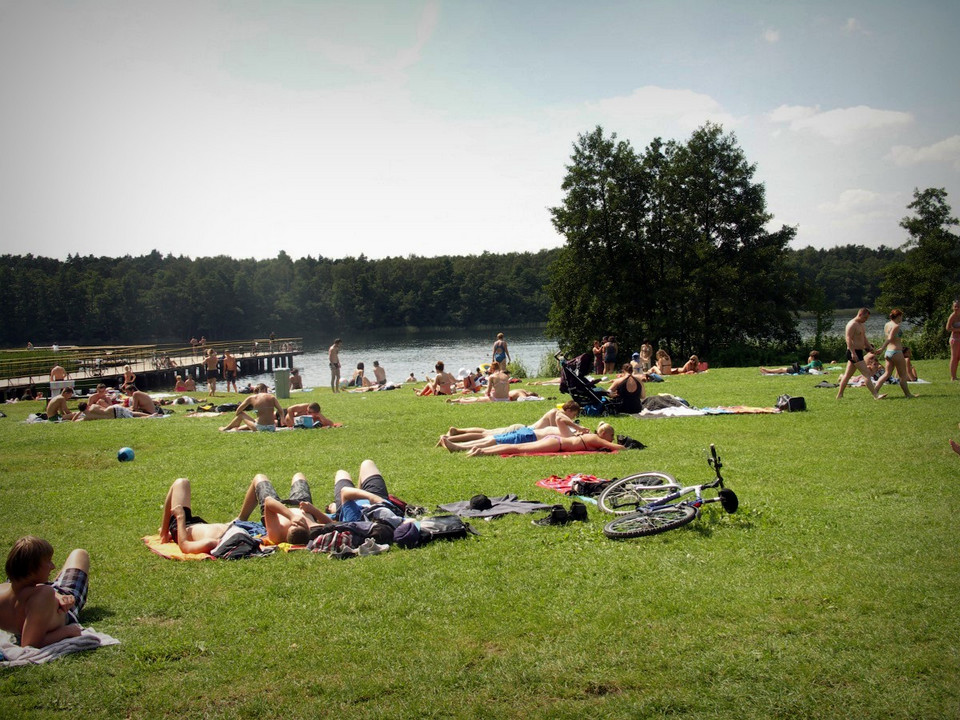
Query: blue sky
x=432 y=127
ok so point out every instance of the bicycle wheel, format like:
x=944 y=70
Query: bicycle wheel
x=627 y=494
x=649 y=521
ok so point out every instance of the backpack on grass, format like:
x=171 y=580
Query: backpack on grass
x=785 y=403
x=237 y=543
x=444 y=527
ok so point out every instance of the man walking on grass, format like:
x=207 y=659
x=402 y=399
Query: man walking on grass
x=857 y=344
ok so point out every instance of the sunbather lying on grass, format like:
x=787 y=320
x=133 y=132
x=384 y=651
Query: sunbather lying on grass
x=195 y=535
x=311 y=409
x=562 y=418
x=601 y=441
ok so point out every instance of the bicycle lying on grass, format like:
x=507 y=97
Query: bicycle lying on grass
x=649 y=503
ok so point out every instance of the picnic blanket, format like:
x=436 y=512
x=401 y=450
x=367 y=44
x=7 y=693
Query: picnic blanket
x=13 y=655
x=498 y=506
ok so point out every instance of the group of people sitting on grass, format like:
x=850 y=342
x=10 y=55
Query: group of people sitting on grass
x=103 y=404
x=270 y=413
x=555 y=431
x=294 y=520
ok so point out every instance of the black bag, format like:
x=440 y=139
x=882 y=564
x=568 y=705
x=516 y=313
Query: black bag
x=227 y=407
x=785 y=403
x=444 y=527
x=236 y=544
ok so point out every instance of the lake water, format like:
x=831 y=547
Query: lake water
x=401 y=352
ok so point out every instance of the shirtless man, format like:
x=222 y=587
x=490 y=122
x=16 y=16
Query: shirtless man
x=140 y=402
x=92 y=411
x=210 y=363
x=100 y=397
x=37 y=612
x=379 y=373
x=267 y=408
x=857 y=344
x=58 y=373
x=498 y=389
x=57 y=407
x=311 y=409
x=230 y=370
x=296 y=380
x=193 y=534
x=443 y=383
x=189 y=384
x=333 y=355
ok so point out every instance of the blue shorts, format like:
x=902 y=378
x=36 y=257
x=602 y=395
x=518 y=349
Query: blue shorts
x=266 y=428
x=516 y=437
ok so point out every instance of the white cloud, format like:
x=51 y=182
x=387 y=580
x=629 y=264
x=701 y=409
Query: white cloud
x=660 y=108
x=841 y=125
x=857 y=207
x=941 y=152
x=771 y=35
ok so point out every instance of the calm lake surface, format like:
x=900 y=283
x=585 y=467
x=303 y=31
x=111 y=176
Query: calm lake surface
x=402 y=352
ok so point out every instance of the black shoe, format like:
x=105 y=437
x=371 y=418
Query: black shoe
x=578 y=511
x=558 y=516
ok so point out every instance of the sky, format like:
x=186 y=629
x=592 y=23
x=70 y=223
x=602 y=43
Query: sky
x=443 y=127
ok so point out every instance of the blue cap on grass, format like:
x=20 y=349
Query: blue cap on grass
x=125 y=454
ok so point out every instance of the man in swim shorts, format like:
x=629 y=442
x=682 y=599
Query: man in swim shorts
x=268 y=410
x=210 y=363
x=37 y=612
x=57 y=407
x=311 y=409
x=857 y=344
x=230 y=370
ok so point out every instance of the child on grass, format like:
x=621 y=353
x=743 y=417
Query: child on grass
x=38 y=612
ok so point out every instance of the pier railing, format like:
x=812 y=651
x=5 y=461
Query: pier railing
x=23 y=368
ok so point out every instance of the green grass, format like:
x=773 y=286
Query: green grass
x=832 y=593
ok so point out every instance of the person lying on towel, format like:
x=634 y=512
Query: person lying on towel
x=37 y=612
x=560 y=421
x=601 y=441
x=193 y=534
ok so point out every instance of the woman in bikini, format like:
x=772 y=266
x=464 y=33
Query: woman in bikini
x=664 y=364
x=892 y=349
x=601 y=441
x=953 y=327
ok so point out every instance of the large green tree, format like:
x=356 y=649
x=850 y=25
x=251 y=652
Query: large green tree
x=670 y=246
x=928 y=277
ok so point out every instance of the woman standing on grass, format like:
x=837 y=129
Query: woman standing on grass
x=953 y=327
x=598 y=356
x=894 y=353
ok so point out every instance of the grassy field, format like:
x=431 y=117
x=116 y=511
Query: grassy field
x=834 y=592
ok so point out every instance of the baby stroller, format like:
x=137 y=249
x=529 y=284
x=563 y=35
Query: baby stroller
x=593 y=400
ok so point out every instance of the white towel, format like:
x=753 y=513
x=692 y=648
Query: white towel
x=14 y=655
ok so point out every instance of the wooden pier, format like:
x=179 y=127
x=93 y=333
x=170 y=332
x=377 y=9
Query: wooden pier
x=156 y=366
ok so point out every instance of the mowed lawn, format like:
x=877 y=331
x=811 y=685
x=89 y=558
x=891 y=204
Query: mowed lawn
x=833 y=593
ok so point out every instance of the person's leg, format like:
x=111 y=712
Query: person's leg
x=371 y=480
x=299 y=490
x=954 y=356
x=874 y=389
x=900 y=363
x=74 y=579
x=177 y=496
x=341 y=480
x=888 y=369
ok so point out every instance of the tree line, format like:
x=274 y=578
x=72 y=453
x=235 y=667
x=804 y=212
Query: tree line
x=155 y=298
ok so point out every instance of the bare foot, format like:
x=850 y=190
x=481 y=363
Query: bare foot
x=440 y=441
x=473 y=451
x=449 y=444
x=880 y=397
